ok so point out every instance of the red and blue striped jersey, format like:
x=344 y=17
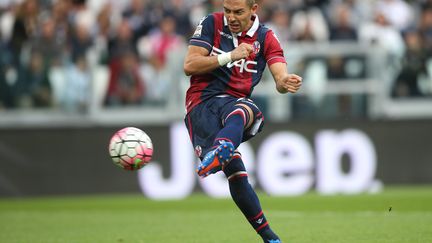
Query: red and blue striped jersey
x=235 y=78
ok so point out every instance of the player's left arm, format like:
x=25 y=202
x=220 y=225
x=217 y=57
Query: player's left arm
x=285 y=82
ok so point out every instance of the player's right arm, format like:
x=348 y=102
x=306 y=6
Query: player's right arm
x=198 y=61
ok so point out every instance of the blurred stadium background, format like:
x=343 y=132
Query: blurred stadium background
x=72 y=72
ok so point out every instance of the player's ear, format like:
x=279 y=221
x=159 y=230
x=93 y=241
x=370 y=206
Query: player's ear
x=254 y=8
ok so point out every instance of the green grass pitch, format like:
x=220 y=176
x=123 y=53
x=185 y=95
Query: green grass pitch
x=133 y=218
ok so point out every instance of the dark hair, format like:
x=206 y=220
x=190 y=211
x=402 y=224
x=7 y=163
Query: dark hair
x=250 y=3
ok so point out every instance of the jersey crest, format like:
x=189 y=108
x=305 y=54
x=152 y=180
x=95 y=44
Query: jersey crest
x=256 y=47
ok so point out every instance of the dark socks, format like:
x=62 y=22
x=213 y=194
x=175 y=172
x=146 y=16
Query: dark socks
x=247 y=200
x=241 y=191
x=232 y=131
x=268 y=234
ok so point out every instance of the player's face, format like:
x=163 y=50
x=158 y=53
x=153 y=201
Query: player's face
x=238 y=13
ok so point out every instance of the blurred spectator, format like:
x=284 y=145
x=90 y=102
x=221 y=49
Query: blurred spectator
x=214 y=6
x=46 y=42
x=280 y=24
x=292 y=4
x=76 y=95
x=105 y=25
x=180 y=13
x=196 y=13
x=381 y=33
x=7 y=20
x=34 y=86
x=156 y=46
x=24 y=27
x=81 y=14
x=6 y=92
x=126 y=86
x=138 y=16
x=83 y=29
x=110 y=33
x=60 y=15
x=413 y=66
x=309 y=24
x=121 y=42
x=341 y=27
x=398 y=13
x=104 y=20
x=360 y=11
x=4 y=4
x=119 y=6
x=156 y=49
x=316 y=3
x=425 y=27
x=80 y=41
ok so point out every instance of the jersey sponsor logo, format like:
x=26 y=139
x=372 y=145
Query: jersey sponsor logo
x=242 y=64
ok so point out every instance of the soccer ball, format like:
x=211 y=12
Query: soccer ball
x=131 y=148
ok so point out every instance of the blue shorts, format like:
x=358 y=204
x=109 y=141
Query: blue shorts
x=206 y=119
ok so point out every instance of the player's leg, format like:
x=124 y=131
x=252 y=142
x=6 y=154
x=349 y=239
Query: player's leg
x=226 y=141
x=203 y=124
x=216 y=159
x=233 y=126
x=246 y=198
x=241 y=121
x=238 y=116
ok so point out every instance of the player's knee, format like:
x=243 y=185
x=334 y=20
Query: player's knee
x=254 y=118
x=235 y=168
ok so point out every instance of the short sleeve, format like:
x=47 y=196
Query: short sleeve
x=272 y=49
x=204 y=33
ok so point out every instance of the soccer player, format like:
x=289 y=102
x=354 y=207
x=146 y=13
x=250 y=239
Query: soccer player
x=226 y=58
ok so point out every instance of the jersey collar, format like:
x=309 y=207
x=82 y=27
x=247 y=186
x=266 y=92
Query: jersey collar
x=252 y=29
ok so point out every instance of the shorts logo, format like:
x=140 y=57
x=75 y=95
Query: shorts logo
x=256 y=47
x=198 y=151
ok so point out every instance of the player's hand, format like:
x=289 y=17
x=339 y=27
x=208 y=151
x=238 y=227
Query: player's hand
x=242 y=51
x=291 y=83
